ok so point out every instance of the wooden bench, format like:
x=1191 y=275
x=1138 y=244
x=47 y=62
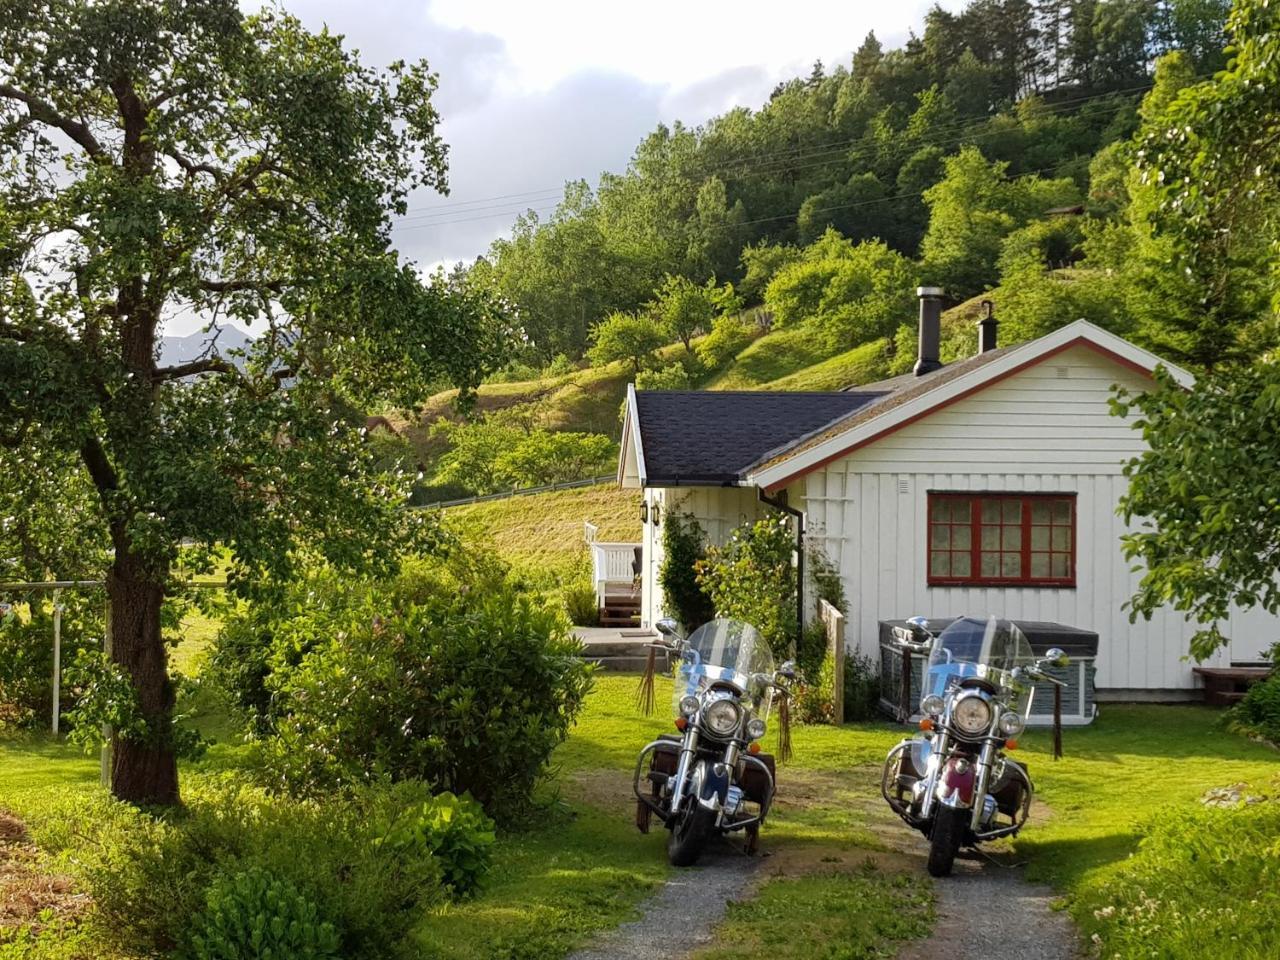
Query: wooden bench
x=1224 y=686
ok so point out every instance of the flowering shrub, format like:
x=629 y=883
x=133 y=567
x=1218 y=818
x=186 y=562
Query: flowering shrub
x=753 y=578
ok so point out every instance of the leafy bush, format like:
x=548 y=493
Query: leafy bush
x=26 y=655
x=460 y=680
x=815 y=696
x=1259 y=712
x=1200 y=876
x=493 y=453
x=861 y=688
x=729 y=336
x=157 y=882
x=753 y=578
x=253 y=914
x=683 y=548
x=580 y=603
x=452 y=829
x=674 y=376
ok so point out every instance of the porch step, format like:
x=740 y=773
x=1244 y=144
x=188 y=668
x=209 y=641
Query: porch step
x=628 y=621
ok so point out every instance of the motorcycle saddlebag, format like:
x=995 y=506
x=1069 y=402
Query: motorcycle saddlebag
x=1010 y=789
x=666 y=757
x=754 y=784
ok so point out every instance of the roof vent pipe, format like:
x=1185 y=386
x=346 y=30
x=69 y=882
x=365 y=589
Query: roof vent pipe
x=987 y=327
x=930 y=329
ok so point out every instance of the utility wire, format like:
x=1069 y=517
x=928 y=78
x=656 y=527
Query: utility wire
x=770 y=158
x=847 y=157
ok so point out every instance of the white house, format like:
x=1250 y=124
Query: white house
x=989 y=485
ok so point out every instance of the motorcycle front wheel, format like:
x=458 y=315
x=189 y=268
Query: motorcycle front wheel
x=689 y=835
x=949 y=826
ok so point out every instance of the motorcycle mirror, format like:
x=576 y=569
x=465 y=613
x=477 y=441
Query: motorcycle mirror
x=919 y=624
x=1056 y=657
x=788 y=670
x=668 y=628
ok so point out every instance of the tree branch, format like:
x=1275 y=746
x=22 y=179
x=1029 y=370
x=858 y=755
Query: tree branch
x=235 y=286
x=99 y=467
x=45 y=113
x=213 y=364
x=192 y=168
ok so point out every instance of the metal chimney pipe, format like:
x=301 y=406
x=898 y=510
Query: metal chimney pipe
x=930 y=329
x=987 y=327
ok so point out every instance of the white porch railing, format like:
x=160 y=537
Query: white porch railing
x=611 y=566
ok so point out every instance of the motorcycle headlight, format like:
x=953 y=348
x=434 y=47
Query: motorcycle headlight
x=689 y=706
x=722 y=717
x=971 y=715
x=932 y=705
x=1011 y=723
x=755 y=728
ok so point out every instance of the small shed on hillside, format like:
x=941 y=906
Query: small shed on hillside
x=989 y=485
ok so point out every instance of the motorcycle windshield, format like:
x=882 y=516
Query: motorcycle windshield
x=727 y=652
x=973 y=647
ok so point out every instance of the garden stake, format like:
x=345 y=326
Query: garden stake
x=1057 y=722
x=644 y=693
x=784 y=729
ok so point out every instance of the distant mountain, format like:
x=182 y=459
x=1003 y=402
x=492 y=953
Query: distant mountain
x=225 y=338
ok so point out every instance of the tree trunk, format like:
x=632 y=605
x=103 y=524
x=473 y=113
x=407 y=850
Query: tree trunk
x=142 y=772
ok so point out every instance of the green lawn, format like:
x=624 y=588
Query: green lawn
x=832 y=841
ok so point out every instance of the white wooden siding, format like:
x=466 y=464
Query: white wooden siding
x=718 y=509
x=1046 y=429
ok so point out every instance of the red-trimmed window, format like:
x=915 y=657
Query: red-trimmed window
x=1002 y=539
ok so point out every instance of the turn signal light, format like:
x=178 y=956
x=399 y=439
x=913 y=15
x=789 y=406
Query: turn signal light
x=1011 y=744
x=681 y=723
x=753 y=749
x=926 y=723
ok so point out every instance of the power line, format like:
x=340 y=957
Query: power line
x=772 y=158
x=844 y=156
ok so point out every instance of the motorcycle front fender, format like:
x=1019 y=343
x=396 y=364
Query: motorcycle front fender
x=710 y=784
x=956 y=783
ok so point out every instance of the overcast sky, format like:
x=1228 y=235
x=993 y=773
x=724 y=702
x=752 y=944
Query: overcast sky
x=534 y=94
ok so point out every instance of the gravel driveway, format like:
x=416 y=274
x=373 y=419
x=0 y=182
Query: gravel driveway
x=685 y=911
x=986 y=911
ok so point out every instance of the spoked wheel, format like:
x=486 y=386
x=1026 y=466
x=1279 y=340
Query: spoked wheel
x=689 y=835
x=949 y=825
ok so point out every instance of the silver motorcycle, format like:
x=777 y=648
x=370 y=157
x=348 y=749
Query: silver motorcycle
x=955 y=783
x=712 y=778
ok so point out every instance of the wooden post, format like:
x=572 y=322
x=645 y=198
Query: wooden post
x=57 y=659
x=104 y=774
x=1057 y=721
x=833 y=619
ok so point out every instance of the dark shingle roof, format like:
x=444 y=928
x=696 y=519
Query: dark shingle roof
x=711 y=437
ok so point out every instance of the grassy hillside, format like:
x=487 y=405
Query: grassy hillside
x=543 y=532
x=778 y=354
x=864 y=364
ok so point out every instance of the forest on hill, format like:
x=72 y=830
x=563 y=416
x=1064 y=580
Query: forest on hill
x=1037 y=88
x=1015 y=151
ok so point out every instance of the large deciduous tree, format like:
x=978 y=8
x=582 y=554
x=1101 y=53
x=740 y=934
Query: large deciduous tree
x=164 y=159
x=1207 y=488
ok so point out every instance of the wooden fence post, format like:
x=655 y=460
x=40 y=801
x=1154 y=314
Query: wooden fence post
x=57 y=659
x=833 y=619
